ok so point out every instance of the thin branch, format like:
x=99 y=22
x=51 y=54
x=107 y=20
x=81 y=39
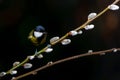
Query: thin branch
x=66 y=59
x=116 y=1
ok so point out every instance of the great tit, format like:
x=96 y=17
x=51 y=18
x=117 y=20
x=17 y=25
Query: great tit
x=38 y=35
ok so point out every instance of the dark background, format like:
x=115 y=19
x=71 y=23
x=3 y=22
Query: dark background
x=18 y=17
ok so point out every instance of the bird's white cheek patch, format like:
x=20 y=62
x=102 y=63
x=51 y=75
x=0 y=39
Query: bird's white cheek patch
x=38 y=34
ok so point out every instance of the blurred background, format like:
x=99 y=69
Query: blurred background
x=19 y=17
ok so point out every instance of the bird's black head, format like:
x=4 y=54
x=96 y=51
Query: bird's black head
x=40 y=28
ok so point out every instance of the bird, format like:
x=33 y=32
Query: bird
x=38 y=35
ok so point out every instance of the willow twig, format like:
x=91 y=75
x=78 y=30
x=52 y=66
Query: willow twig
x=66 y=59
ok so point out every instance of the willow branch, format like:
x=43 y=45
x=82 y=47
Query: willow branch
x=67 y=59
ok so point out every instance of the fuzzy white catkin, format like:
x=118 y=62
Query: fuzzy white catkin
x=113 y=7
x=16 y=63
x=13 y=78
x=80 y=32
x=73 y=33
x=27 y=65
x=13 y=72
x=92 y=15
x=88 y=27
x=2 y=74
x=40 y=56
x=115 y=50
x=50 y=62
x=54 y=39
x=66 y=41
x=31 y=57
x=90 y=51
x=49 y=50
